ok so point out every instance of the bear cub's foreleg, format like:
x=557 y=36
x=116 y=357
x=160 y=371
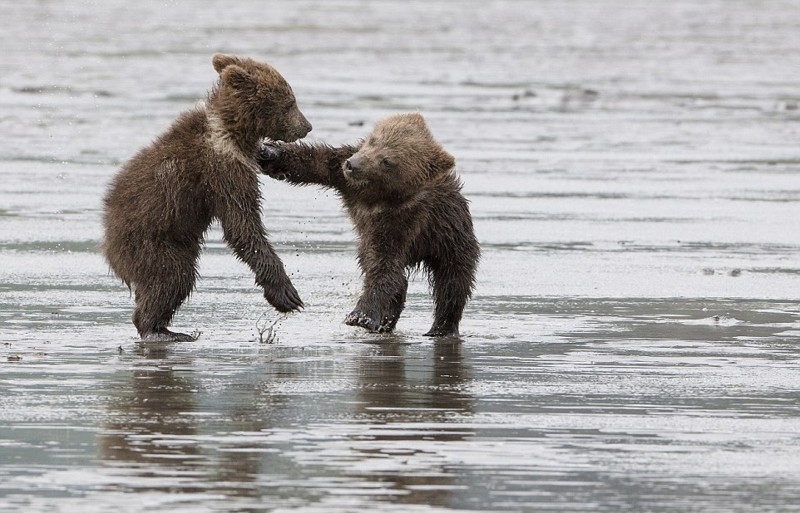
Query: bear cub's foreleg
x=380 y=305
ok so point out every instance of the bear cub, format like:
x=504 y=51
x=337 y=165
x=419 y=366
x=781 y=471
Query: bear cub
x=160 y=204
x=401 y=191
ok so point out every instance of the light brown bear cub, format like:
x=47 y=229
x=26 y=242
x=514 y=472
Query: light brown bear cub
x=160 y=204
x=404 y=198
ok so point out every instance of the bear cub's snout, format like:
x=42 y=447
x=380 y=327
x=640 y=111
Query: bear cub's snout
x=304 y=126
x=352 y=167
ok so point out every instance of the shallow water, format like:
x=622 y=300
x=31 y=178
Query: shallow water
x=632 y=344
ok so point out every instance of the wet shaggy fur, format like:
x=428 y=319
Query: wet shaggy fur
x=401 y=192
x=161 y=202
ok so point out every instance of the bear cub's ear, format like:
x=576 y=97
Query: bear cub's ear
x=442 y=162
x=415 y=119
x=237 y=77
x=222 y=61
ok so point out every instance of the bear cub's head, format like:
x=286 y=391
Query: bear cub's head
x=253 y=99
x=398 y=157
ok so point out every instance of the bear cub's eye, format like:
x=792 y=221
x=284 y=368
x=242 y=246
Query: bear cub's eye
x=386 y=163
x=290 y=105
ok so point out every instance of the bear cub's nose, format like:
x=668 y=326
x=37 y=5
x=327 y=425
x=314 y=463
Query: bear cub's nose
x=353 y=166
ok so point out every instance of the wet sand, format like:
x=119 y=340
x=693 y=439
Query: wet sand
x=632 y=344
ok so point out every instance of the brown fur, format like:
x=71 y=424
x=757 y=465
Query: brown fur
x=203 y=167
x=404 y=198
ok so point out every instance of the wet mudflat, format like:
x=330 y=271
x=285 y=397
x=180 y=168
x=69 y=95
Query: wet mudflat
x=633 y=341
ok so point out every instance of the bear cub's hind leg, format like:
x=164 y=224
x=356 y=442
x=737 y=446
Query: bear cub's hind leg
x=159 y=298
x=153 y=313
x=452 y=287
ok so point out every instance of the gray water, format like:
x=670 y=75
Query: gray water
x=632 y=168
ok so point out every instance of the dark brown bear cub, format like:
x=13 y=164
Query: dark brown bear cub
x=203 y=167
x=401 y=192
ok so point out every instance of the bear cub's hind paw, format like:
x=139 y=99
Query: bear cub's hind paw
x=440 y=331
x=165 y=335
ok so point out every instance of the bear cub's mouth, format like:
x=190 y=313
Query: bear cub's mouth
x=286 y=139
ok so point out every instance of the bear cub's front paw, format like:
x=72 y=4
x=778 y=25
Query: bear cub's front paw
x=369 y=321
x=284 y=298
x=268 y=155
x=358 y=318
